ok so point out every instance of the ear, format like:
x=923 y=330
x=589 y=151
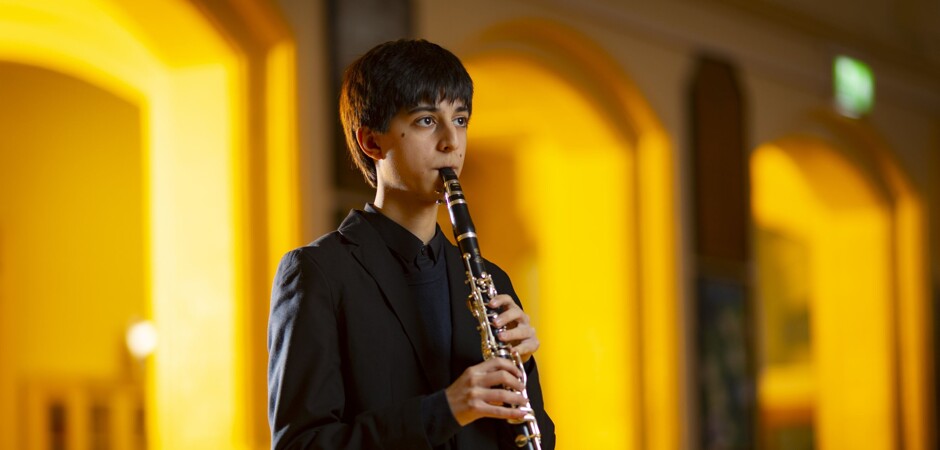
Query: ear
x=368 y=142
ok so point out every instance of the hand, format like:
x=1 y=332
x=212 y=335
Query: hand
x=519 y=333
x=479 y=392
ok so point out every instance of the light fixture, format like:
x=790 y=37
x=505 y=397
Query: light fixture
x=141 y=339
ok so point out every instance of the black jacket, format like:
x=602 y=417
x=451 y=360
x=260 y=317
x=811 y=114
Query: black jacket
x=347 y=356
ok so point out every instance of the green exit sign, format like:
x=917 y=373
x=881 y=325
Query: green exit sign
x=854 y=86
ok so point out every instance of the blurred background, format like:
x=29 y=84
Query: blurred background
x=717 y=212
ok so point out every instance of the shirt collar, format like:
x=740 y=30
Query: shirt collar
x=402 y=242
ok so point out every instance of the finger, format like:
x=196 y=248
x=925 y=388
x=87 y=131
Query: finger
x=470 y=403
x=494 y=372
x=495 y=365
x=511 y=317
x=522 y=340
x=517 y=334
x=501 y=379
x=508 y=376
x=526 y=348
x=498 y=411
x=502 y=397
x=502 y=300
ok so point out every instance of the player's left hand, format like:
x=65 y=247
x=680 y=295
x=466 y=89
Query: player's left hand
x=519 y=332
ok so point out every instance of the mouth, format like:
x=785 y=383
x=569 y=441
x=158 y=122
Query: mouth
x=452 y=172
x=439 y=171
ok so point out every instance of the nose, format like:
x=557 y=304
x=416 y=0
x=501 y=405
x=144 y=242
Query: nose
x=448 y=140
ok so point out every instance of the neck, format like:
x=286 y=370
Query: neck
x=418 y=217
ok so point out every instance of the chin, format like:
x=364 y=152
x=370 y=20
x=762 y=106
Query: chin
x=433 y=197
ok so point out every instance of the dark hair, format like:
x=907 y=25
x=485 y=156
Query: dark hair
x=395 y=75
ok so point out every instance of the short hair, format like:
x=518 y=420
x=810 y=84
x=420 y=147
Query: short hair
x=392 y=76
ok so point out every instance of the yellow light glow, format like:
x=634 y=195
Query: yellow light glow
x=787 y=391
x=164 y=56
x=577 y=179
x=194 y=262
x=36 y=33
x=62 y=321
x=604 y=351
x=805 y=190
x=579 y=171
x=283 y=184
x=914 y=315
x=661 y=309
x=913 y=310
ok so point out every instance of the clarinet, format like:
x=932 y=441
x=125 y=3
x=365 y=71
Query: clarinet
x=482 y=290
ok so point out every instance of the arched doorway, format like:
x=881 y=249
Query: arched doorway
x=201 y=196
x=841 y=292
x=72 y=276
x=575 y=181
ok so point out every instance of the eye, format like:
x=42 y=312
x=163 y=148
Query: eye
x=461 y=121
x=425 y=121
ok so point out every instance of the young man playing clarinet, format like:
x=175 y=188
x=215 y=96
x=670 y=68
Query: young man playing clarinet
x=370 y=342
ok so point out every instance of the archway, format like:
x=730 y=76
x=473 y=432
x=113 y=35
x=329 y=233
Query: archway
x=71 y=259
x=577 y=176
x=841 y=292
x=202 y=221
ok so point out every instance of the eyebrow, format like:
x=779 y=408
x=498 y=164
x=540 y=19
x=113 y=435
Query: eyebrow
x=424 y=107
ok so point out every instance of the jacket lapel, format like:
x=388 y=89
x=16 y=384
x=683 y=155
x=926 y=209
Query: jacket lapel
x=374 y=256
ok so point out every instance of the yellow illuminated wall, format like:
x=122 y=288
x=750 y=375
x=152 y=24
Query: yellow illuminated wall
x=841 y=257
x=568 y=183
x=571 y=186
x=71 y=238
x=184 y=88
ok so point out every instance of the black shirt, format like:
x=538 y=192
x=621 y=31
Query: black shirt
x=425 y=271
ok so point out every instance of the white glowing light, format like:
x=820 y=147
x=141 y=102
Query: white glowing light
x=141 y=339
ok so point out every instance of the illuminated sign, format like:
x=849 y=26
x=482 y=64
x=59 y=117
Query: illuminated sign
x=854 y=86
